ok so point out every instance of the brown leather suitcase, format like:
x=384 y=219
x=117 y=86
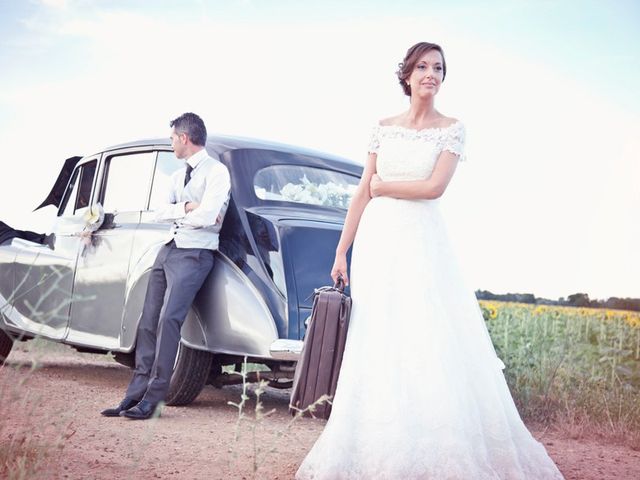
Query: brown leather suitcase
x=318 y=369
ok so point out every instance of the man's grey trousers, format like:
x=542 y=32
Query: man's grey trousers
x=176 y=276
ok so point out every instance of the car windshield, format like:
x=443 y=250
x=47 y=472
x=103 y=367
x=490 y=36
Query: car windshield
x=300 y=184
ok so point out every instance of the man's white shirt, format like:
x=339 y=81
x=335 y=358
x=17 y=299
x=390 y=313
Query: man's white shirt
x=209 y=186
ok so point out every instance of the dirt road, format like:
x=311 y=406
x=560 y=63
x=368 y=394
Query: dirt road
x=50 y=427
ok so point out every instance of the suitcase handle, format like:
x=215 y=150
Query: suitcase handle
x=339 y=286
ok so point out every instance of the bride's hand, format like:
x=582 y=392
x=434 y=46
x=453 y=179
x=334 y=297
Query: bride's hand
x=374 y=185
x=340 y=268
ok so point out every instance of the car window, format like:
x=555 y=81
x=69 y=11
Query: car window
x=125 y=187
x=300 y=184
x=78 y=193
x=166 y=165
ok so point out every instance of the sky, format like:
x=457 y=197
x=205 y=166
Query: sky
x=547 y=203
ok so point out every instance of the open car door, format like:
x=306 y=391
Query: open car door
x=57 y=192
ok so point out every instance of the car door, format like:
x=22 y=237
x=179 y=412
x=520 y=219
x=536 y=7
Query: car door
x=43 y=278
x=103 y=265
x=7 y=287
x=149 y=238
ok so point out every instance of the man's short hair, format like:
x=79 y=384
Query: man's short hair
x=193 y=126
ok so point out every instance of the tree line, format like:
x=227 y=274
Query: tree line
x=575 y=300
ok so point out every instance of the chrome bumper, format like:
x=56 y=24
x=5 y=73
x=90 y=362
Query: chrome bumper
x=285 y=349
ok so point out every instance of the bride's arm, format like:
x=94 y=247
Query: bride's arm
x=358 y=203
x=430 y=188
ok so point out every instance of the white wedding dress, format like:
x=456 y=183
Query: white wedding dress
x=421 y=393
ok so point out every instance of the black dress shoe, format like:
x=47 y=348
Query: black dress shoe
x=125 y=404
x=142 y=411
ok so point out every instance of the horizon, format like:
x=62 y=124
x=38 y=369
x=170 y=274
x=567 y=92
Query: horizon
x=557 y=299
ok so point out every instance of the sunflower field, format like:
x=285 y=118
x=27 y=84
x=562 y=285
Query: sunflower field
x=580 y=365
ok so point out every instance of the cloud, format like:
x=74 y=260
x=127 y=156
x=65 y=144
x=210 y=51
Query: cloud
x=56 y=4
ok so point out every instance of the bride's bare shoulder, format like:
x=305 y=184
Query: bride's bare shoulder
x=447 y=121
x=395 y=120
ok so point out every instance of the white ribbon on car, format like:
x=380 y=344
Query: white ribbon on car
x=93 y=219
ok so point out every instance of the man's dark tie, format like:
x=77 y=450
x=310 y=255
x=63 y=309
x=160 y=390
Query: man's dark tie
x=187 y=175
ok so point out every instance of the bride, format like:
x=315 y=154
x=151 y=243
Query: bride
x=421 y=393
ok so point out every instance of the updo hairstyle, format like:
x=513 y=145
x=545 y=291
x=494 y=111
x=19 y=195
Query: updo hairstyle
x=411 y=58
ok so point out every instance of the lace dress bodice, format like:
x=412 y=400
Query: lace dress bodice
x=407 y=154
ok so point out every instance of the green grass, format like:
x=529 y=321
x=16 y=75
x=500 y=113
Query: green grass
x=574 y=365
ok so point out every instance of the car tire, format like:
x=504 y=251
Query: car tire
x=6 y=343
x=190 y=375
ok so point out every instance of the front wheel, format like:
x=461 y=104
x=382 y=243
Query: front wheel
x=6 y=343
x=190 y=375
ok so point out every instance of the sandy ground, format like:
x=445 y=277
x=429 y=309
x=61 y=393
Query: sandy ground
x=52 y=414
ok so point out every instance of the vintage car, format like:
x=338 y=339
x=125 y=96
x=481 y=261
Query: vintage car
x=277 y=245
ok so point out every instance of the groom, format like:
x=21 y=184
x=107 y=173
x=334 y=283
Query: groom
x=196 y=203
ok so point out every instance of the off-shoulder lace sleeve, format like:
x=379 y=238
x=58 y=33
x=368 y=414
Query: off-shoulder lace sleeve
x=374 y=143
x=454 y=140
